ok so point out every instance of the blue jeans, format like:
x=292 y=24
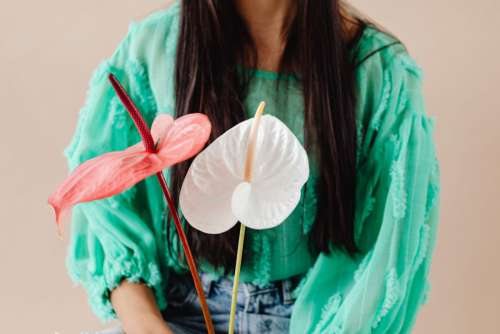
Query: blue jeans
x=259 y=309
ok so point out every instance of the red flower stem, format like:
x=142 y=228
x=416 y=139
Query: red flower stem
x=188 y=254
x=149 y=144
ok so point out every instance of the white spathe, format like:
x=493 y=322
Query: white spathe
x=215 y=196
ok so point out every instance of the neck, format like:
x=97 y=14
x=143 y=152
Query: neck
x=260 y=14
x=267 y=22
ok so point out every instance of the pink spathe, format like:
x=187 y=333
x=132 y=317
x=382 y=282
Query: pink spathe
x=113 y=172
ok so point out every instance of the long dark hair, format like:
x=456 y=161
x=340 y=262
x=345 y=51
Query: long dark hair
x=213 y=41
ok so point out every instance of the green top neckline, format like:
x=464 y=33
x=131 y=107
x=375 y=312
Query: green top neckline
x=265 y=74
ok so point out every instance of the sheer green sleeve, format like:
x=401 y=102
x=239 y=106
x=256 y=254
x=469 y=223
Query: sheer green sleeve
x=118 y=237
x=397 y=192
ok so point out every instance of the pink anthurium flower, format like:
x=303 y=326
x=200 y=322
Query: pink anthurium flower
x=167 y=143
x=111 y=173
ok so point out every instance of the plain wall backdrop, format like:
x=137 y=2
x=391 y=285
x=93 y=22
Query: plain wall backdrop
x=48 y=50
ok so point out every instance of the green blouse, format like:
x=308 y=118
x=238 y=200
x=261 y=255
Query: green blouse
x=379 y=291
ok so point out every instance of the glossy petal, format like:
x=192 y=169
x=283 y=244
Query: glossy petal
x=189 y=133
x=160 y=127
x=214 y=195
x=114 y=172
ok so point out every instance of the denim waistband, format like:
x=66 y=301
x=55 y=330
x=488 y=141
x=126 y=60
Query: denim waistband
x=285 y=286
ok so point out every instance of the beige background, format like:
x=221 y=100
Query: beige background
x=48 y=50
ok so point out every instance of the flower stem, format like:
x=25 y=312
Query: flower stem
x=148 y=141
x=236 y=281
x=187 y=253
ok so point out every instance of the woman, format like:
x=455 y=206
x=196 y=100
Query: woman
x=354 y=255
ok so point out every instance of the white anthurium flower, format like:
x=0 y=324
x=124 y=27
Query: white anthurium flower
x=217 y=193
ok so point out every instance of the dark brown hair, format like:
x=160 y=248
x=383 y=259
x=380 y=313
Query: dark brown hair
x=213 y=41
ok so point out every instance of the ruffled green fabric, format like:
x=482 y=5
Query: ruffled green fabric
x=397 y=201
x=397 y=193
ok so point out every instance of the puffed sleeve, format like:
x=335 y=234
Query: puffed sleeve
x=118 y=237
x=397 y=200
